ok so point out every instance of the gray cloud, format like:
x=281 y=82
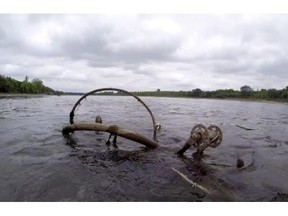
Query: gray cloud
x=146 y=52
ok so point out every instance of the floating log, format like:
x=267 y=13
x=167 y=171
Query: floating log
x=112 y=129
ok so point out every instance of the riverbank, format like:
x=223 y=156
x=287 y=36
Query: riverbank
x=5 y=95
x=254 y=100
x=225 y=99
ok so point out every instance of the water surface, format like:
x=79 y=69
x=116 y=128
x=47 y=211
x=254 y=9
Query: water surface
x=38 y=164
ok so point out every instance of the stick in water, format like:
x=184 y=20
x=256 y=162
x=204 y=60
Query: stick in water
x=194 y=184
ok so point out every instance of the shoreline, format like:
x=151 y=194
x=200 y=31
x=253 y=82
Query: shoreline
x=3 y=95
x=223 y=99
x=255 y=100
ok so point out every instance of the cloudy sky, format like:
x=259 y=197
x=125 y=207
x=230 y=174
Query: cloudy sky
x=146 y=51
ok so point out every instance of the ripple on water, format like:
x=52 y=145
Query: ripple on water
x=32 y=148
x=33 y=151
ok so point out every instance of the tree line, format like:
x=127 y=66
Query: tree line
x=245 y=92
x=36 y=86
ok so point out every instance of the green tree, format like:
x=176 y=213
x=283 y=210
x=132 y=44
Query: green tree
x=273 y=94
x=262 y=94
x=4 y=85
x=196 y=92
x=246 y=91
x=24 y=87
x=38 y=85
x=10 y=85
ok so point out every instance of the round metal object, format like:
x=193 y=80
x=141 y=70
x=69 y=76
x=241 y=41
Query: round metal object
x=215 y=136
x=193 y=138
x=158 y=126
x=203 y=141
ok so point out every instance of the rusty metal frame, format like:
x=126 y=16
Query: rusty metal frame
x=119 y=90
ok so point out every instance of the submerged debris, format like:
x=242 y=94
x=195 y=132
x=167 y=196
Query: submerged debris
x=245 y=128
x=112 y=129
x=202 y=137
x=158 y=126
x=239 y=163
x=194 y=184
x=280 y=197
x=98 y=119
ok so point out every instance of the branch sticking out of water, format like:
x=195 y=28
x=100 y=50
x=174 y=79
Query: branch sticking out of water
x=194 y=184
x=244 y=127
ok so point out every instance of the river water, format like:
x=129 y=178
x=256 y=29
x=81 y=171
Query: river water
x=37 y=163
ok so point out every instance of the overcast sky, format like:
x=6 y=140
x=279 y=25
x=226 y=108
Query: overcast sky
x=146 y=52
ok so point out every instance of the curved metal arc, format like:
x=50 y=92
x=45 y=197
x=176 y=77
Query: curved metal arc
x=119 y=90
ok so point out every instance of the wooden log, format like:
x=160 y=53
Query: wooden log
x=112 y=129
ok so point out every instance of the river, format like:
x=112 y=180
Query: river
x=37 y=163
